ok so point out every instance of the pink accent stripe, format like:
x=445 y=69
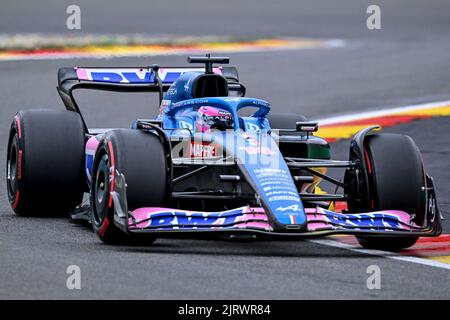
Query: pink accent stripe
x=255 y=225
x=82 y=74
x=254 y=210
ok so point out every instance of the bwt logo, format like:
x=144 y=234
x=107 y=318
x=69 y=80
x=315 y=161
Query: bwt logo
x=366 y=220
x=190 y=219
x=185 y=125
x=125 y=77
x=252 y=127
x=132 y=76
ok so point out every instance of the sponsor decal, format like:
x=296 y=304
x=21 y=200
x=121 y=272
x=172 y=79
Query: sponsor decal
x=172 y=90
x=294 y=207
x=191 y=102
x=261 y=103
x=134 y=75
x=384 y=220
x=251 y=127
x=201 y=150
x=120 y=76
x=185 y=125
x=232 y=99
x=165 y=218
x=283 y=198
x=257 y=150
x=224 y=114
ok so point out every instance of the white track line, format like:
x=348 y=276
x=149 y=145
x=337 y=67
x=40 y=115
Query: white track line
x=386 y=254
x=380 y=113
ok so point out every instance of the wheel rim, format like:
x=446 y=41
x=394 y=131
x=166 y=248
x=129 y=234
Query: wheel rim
x=11 y=168
x=101 y=190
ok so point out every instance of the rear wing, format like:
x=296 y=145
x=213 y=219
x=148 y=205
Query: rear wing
x=138 y=79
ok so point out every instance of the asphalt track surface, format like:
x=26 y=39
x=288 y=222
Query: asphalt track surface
x=406 y=62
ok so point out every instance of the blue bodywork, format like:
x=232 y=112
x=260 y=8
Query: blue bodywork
x=250 y=144
x=255 y=151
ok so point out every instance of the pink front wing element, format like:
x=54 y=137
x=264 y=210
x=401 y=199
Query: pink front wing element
x=168 y=218
x=319 y=219
x=250 y=215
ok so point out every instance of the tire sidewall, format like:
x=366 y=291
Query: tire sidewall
x=14 y=138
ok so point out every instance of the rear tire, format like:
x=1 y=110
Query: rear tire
x=45 y=159
x=125 y=151
x=396 y=182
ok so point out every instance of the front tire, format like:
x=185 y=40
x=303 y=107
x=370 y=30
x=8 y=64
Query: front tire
x=396 y=182
x=142 y=159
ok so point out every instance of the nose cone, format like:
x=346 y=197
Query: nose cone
x=264 y=167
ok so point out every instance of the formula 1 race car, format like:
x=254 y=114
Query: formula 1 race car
x=213 y=162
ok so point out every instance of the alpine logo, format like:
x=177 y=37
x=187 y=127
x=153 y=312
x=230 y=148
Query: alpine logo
x=294 y=207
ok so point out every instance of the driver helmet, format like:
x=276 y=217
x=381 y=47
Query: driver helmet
x=213 y=118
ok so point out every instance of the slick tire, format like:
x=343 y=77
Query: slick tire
x=396 y=182
x=45 y=158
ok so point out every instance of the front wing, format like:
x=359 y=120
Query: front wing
x=253 y=220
